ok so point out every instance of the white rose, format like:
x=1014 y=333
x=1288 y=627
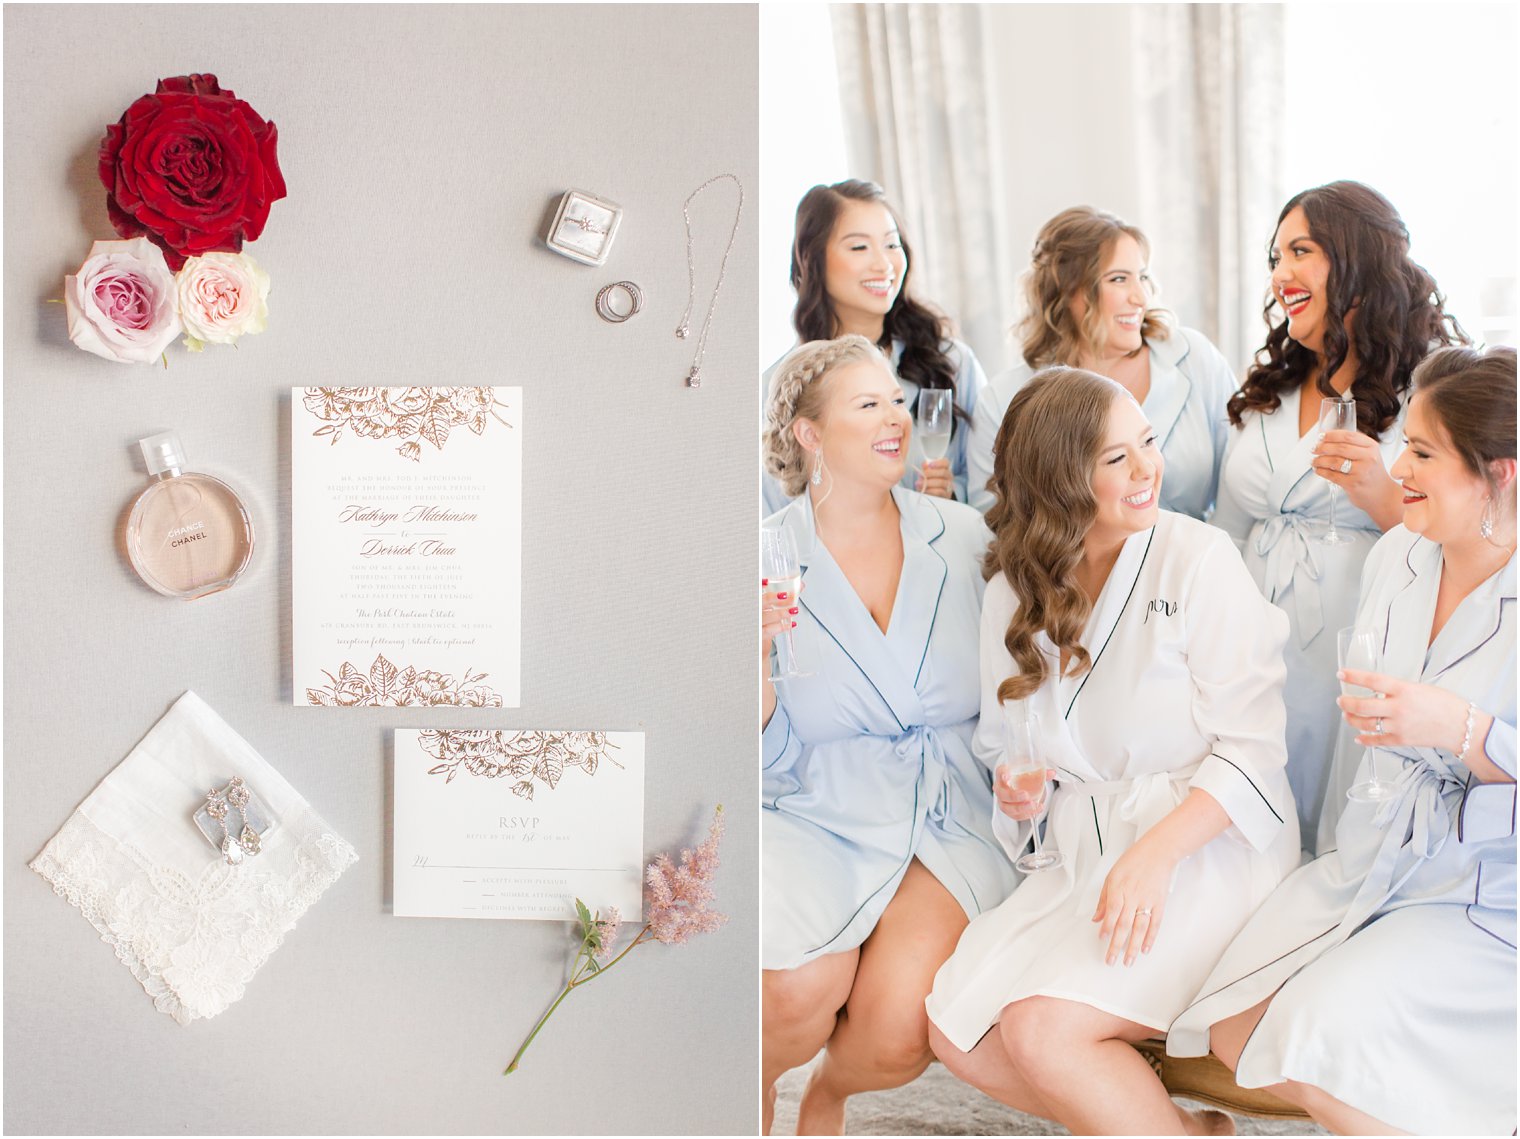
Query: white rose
x=221 y=296
x=121 y=303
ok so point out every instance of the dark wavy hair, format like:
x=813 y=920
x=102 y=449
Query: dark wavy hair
x=921 y=330
x=1400 y=313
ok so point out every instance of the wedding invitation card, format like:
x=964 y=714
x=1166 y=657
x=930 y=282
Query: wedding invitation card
x=517 y=824
x=406 y=532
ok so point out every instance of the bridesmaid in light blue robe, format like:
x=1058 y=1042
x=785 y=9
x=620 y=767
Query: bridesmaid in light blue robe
x=1389 y=962
x=1190 y=383
x=868 y=762
x=970 y=381
x=1275 y=506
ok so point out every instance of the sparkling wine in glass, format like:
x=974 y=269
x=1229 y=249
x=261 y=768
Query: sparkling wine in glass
x=936 y=412
x=780 y=567
x=1023 y=769
x=1360 y=649
x=1335 y=415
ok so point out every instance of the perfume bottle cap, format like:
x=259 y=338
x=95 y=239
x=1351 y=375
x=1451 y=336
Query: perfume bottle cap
x=162 y=452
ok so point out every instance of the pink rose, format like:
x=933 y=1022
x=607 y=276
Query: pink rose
x=121 y=303
x=221 y=296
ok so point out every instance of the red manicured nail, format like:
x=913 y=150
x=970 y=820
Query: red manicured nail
x=765 y=581
x=781 y=596
x=794 y=624
x=793 y=612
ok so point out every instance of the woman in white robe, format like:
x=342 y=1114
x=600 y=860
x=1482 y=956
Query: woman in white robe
x=1376 y=987
x=1351 y=316
x=1089 y=301
x=1161 y=716
x=876 y=829
x=850 y=267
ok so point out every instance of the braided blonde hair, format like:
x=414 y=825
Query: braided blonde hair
x=796 y=392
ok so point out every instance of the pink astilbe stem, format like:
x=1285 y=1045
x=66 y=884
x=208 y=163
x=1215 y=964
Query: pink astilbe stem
x=675 y=902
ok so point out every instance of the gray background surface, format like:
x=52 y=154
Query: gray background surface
x=423 y=150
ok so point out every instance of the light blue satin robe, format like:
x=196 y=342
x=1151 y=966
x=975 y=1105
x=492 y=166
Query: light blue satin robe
x=1190 y=384
x=969 y=382
x=1274 y=506
x=1396 y=950
x=868 y=762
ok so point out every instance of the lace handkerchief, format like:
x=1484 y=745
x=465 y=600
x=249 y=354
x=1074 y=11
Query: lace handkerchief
x=192 y=928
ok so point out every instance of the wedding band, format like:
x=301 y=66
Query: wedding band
x=1145 y=913
x=1345 y=466
x=604 y=307
x=1377 y=726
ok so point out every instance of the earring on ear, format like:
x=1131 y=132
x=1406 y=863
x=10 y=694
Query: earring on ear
x=816 y=478
x=1486 y=527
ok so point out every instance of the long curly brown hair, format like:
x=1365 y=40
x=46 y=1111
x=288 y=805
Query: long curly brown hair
x=1067 y=262
x=1400 y=313
x=1043 y=462
x=921 y=330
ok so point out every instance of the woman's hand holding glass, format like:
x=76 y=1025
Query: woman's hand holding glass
x=778 y=614
x=935 y=421
x=1416 y=715
x=1016 y=798
x=1367 y=484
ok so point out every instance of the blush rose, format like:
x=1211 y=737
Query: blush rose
x=222 y=296
x=121 y=302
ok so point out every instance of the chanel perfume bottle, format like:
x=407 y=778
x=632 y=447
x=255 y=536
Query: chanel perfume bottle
x=189 y=534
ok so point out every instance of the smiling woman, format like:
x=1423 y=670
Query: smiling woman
x=1350 y=316
x=876 y=842
x=1103 y=623
x=850 y=268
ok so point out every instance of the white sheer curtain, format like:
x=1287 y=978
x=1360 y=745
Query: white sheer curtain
x=1198 y=89
x=915 y=90
x=1208 y=118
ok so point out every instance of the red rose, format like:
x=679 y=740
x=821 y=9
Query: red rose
x=192 y=168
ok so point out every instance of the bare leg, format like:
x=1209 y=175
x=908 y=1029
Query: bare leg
x=799 y=1008
x=882 y=1039
x=1084 y=1068
x=1228 y=1040
x=988 y=1069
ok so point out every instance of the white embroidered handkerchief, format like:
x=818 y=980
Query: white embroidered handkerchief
x=192 y=927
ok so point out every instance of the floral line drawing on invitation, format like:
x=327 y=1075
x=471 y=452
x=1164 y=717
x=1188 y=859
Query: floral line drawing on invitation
x=388 y=687
x=524 y=756
x=412 y=415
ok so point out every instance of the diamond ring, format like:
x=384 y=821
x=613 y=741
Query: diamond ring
x=1377 y=726
x=1143 y=913
x=1345 y=466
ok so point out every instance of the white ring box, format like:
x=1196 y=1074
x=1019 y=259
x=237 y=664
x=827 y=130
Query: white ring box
x=583 y=227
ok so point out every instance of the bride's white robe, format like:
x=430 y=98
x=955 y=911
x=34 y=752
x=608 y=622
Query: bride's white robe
x=1184 y=692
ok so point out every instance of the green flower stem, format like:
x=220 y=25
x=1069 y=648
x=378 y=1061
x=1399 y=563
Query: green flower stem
x=577 y=978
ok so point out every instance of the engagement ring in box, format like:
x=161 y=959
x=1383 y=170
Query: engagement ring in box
x=583 y=227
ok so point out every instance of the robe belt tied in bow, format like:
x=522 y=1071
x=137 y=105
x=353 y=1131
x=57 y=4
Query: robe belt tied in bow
x=1147 y=798
x=1417 y=824
x=1287 y=543
x=925 y=744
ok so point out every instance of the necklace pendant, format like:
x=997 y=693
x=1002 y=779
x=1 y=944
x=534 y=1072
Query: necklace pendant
x=683 y=332
x=694 y=378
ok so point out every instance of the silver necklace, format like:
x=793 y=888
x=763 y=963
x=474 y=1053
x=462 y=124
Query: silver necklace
x=683 y=330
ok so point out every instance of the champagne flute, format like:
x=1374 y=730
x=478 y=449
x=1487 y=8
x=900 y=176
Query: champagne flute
x=1358 y=649
x=780 y=566
x=936 y=414
x=1023 y=769
x=1335 y=415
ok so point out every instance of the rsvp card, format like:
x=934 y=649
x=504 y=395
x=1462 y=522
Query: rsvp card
x=406 y=528
x=517 y=824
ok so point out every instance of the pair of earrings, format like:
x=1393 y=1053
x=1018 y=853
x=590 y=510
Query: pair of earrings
x=235 y=796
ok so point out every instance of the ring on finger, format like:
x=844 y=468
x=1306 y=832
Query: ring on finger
x=1345 y=466
x=1143 y=912
x=1377 y=726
